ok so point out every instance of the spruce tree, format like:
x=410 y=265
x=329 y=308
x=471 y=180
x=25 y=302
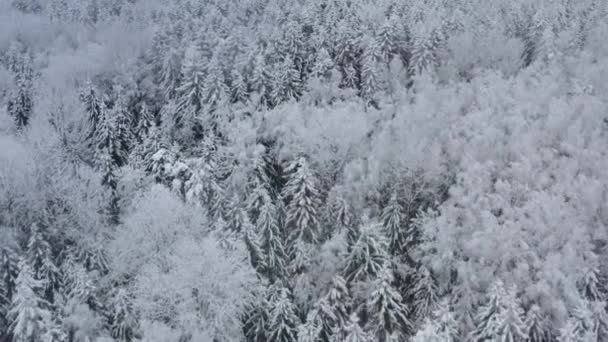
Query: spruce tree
x=537 y=326
x=393 y=221
x=387 y=313
x=283 y=321
x=9 y=271
x=424 y=292
x=303 y=200
x=40 y=258
x=122 y=321
x=501 y=317
x=352 y=332
x=20 y=102
x=29 y=313
x=272 y=241
x=94 y=107
x=367 y=256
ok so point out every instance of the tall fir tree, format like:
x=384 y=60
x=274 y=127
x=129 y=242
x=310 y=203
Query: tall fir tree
x=303 y=200
x=40 y=258
x=367 y=256
x=9 y=271
x=393 y=221
x=283 y=320
x=29 y=314
x=21 y=101
x=387 y=313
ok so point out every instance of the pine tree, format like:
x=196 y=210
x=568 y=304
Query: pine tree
x=257 y=258
x=238 y=89
x=285 y=82
x=593 y=285
x=236 y=215
x=40 y=258
x=537 y=326
x=501 y=317
x=260 y=78
x=303 y=201
x=387 y=313
x=272 y=241
x=8 y=275
x=146 y=122
x=94 y=108
x=122 y=322
x=394 y=223
x=426 y=44
x=190 y=93
x=371 y=81
x=339 y=301
x=20 y=103
x=256 y=320
x=425 y=293
x=367 y=256
x=170 y=76
x=283 y=321
x=29 y=314
x=352 y=332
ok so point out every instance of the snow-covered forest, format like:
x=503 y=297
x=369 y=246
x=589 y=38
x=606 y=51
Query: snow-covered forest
x=303 y=170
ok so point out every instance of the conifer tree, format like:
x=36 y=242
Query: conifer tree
x=352 y=332
x=501 y=317
x=537 y=329
x=94 y=107
x=8 y=275
x=122 y=321
x=302 y=196
x=272 y=241
x=190 y=93
x=367 y=256
x=283 y=321
x=393 y=221
x=424 y=293
x=40 y=258
x=387 y=313
x=256 y=320
x=239 y=90
x=20 y=103
x=29 y=314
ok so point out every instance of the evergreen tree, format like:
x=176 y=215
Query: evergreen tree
x=94 y=108
x=238 y=89
x=283 y=321
x=394 y=223
x=501 y=317
x=424 y=293
x=29 y=314
x=190 y=93
x=20 y=103
x=122 y=321
x=8 y=275
x=170 y=76
x=387 y=313
x=593 y=285
x=303 y=201
x=236 y=215
x=256 y=320
x=257 y=257
x=537 y=328
x=441 y=327
x=367 y=256
x=272 y=241
x=146 y=122
x=352 y=332
x=260 y=78
x=40 y=258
